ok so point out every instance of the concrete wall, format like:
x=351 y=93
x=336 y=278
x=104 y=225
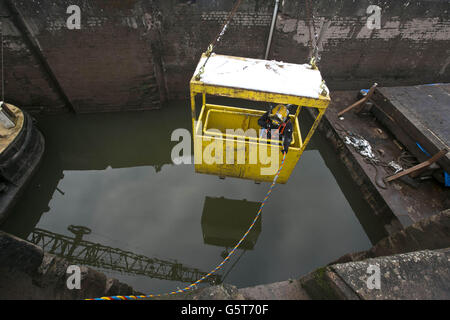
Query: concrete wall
x=107 y=65
x=432 y=233
x=188 y=29
x=134 y=54
x=412 y=46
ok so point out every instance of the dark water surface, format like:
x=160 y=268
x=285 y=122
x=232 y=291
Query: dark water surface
x=113 y=174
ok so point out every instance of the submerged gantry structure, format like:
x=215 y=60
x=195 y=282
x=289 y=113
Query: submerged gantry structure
x=83 y=252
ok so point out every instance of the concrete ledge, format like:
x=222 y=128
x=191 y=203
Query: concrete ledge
x=323 y=284
x=286 y=290
x=422 y=275
x=19 y=254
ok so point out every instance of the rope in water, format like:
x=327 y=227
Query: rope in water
x=195 y=284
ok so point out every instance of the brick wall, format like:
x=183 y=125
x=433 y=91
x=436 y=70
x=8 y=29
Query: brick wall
x=412 y=46
x=188 y=29
x=107 y=65
x=133 y=54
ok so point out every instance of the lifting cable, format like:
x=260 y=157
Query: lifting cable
x=195 y=284
x=309 y=20
x=217 y=39
x=314 y=48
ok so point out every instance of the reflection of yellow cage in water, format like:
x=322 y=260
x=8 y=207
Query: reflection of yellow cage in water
x=257 y=80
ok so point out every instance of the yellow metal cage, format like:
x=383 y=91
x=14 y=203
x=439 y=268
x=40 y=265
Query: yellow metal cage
x=225 y=132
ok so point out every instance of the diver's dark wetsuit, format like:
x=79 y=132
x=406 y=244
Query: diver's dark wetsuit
x=286 y=130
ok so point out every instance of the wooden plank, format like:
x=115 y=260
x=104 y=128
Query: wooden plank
x=421 y=114
x=360 y=102
x=397 y=131
x=431 y=113
x=426 y=107
x=396 y=123
x=418 y=167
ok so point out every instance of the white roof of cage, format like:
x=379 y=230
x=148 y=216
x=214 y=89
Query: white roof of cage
x=261 y=75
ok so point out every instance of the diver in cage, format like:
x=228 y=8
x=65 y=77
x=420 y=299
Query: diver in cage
x=277 y=121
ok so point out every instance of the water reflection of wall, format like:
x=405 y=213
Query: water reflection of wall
x=372 y=224
x=96 y=142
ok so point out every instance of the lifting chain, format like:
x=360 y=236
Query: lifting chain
x=314 y=49
x=217 y=39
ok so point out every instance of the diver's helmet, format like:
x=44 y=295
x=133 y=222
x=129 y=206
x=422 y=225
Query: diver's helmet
x=279 y=114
